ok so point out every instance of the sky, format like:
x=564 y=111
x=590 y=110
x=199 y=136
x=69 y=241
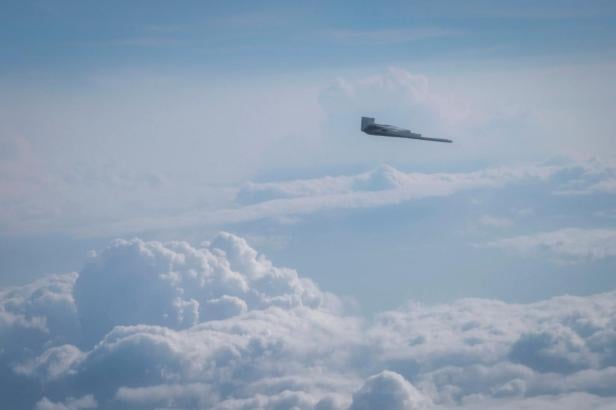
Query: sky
x=190 y=216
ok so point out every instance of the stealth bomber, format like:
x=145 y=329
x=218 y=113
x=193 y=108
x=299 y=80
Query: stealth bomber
x=370 y=127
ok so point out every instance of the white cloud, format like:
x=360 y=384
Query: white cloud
x=561 y=175
x=177 y=286
x=573 y=401
x=41 y=312
x=85 y=402
x=387 y=179
x=284 y=201
x=219 y=326
x=380 y=187
x=52 y=364
x=280 y=201
x=569 y=244
x=388 y=390
x=593 y=176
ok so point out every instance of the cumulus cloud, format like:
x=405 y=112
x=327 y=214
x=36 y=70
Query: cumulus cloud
x=387 y=390
x=170 y=325
x=177 y=286
x=85 y=402
x=569 y=244
x=481 y=348
x=41 y=312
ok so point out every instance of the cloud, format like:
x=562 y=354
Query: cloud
x=387 y=390
x=395 y=93
x=560 y=175
x=292 y=200
x=482 y=348
x=381 y=187
x=571 y=401
x=177 y=286
x=170 y=325
x=569 y=244
x=593 y=176
x=43 y=311
x=556 y=350
x=383 y=179
x=85 y=402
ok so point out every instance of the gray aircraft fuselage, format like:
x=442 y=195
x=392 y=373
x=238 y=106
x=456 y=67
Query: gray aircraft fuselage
x=370 y=127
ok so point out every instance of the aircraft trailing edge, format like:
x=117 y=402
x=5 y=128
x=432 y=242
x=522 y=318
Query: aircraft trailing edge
x=370 y=127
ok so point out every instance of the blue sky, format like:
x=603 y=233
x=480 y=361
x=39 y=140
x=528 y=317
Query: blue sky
x=65 y=37
x=133 y=133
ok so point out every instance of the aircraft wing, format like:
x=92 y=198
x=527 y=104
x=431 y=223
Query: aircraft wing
x=419 y=137
x=370 y=127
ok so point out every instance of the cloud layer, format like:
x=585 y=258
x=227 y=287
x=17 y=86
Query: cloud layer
x=150 y=325
x=568 y=245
